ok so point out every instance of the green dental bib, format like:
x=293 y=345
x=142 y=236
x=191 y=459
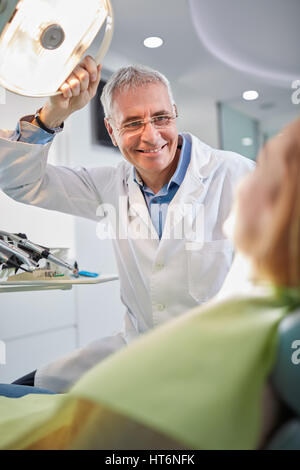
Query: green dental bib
x=197 y=380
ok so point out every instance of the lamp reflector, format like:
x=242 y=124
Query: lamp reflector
x=44 y=40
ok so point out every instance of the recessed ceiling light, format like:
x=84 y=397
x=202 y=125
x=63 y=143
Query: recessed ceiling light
x=153 y=42
x=250 y=95
x=247 y=141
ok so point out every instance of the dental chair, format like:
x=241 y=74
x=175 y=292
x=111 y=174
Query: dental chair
x=286 y=381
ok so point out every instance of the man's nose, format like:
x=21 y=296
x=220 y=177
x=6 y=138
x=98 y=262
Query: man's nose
x=149 y=132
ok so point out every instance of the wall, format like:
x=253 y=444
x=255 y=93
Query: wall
x=239 y=133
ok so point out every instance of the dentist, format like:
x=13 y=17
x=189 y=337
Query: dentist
x=170 y=197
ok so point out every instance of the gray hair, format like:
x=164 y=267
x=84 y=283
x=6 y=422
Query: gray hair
x=131 y=77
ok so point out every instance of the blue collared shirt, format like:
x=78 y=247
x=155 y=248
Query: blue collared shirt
x=30 y=134
x=158 y=203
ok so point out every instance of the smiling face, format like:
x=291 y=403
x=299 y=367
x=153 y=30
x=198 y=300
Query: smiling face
x=152 y=151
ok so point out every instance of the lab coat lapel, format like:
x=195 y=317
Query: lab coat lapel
x=191 y=192
x=138 y=207
x=183 y=209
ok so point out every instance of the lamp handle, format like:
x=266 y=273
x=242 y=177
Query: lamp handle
x=107 y=36
x=106 y=40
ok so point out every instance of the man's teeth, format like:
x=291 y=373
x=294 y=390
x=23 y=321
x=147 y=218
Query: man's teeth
x=151 y=151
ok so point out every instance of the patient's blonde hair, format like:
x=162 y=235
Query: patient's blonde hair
x=279 y=260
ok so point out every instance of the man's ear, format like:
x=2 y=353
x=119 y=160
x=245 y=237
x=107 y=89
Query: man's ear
x=110 y=131
x=176 y=110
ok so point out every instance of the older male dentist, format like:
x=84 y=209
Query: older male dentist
x=171 y=195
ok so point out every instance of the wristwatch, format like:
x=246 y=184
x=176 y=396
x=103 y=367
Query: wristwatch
x=40 y=123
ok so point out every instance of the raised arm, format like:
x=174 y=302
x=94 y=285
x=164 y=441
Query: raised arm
x=77 y=91
x=24 y=173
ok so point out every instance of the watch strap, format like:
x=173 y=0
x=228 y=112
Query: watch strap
x=40 y=123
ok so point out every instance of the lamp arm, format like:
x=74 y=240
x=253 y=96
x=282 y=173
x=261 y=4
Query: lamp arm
x=107 y=35
x=106 y=40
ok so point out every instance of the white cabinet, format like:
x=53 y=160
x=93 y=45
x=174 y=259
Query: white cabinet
x=25 y=354
x=27 y=313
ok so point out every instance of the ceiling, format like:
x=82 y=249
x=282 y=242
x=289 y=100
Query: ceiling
x=214 y=50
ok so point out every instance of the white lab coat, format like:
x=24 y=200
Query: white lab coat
x=160 y=279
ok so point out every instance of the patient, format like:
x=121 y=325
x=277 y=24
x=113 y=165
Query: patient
x=202 y=380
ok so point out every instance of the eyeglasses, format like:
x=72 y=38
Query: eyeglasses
x=158 y=122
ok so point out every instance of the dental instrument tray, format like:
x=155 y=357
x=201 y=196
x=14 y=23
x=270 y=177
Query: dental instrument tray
x=25 y=265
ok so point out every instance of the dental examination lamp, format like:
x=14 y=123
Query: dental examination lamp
x=42 y=41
